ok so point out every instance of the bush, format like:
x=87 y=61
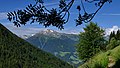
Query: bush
x=113 y=43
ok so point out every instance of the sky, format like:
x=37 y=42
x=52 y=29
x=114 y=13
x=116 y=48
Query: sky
x=108 y=17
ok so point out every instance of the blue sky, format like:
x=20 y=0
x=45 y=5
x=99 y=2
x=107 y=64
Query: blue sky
x=107 y=17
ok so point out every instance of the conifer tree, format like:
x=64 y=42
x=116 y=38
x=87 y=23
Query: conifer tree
x=118 y=35
x=114 y=40
x=112 y=34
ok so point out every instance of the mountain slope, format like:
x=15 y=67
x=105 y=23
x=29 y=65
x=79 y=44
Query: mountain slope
x=60 y=44
x=17 y=53
x=109 y=59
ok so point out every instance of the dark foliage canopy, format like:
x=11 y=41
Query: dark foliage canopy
x=91 y=41
x=115 y=35
x=39 y=13
x=114 y=40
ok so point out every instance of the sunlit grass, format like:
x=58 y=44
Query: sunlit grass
x=102 y=60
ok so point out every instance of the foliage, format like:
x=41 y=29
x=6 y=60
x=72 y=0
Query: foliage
x=17 y=53
x=118 y=35
x=112 y=34
x=55 y=17
x=113 y=43
x=110 y=58
x=114 y=40
x=98 y=61
x=91 y=41
x=101 y=60
x=115 y=35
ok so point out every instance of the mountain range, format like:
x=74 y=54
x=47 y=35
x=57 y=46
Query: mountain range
x=61 y=45
x=18 y=53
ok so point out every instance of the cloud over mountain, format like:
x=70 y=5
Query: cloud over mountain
x=109 y=30
x=28 y=30
x=23 y=30
x=3 y=15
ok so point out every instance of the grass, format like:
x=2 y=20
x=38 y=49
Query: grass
x=104 y=59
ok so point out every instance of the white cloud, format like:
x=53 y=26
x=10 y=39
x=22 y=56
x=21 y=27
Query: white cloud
x=20 y=31
x=74 y=30
x=3 y=15
x=71 y=31
x=33 y=30
x=29 y=30
x=109 y=30
x=23 y=30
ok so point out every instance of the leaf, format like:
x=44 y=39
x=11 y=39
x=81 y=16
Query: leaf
x=78 y=7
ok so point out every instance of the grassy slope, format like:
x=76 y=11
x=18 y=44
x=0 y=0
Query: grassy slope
x=103 y=60
x=17 y=53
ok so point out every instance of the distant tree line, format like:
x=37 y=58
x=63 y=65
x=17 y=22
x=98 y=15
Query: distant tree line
x=115 y=35
x=114 y=40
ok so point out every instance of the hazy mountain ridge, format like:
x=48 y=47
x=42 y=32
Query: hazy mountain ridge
x=17 y=53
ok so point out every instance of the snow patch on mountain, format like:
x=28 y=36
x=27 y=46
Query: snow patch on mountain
x=26 y=36
x=47 y=31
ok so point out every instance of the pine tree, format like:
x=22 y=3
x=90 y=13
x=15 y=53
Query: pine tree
x=91 y=41
x=112 y=34
x=118 y=35
x=114 y=40
x=115 y=35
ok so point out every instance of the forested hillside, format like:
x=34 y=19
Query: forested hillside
x=17 y=53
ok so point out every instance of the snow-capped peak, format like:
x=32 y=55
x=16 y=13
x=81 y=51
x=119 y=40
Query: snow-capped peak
x=48 y=30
